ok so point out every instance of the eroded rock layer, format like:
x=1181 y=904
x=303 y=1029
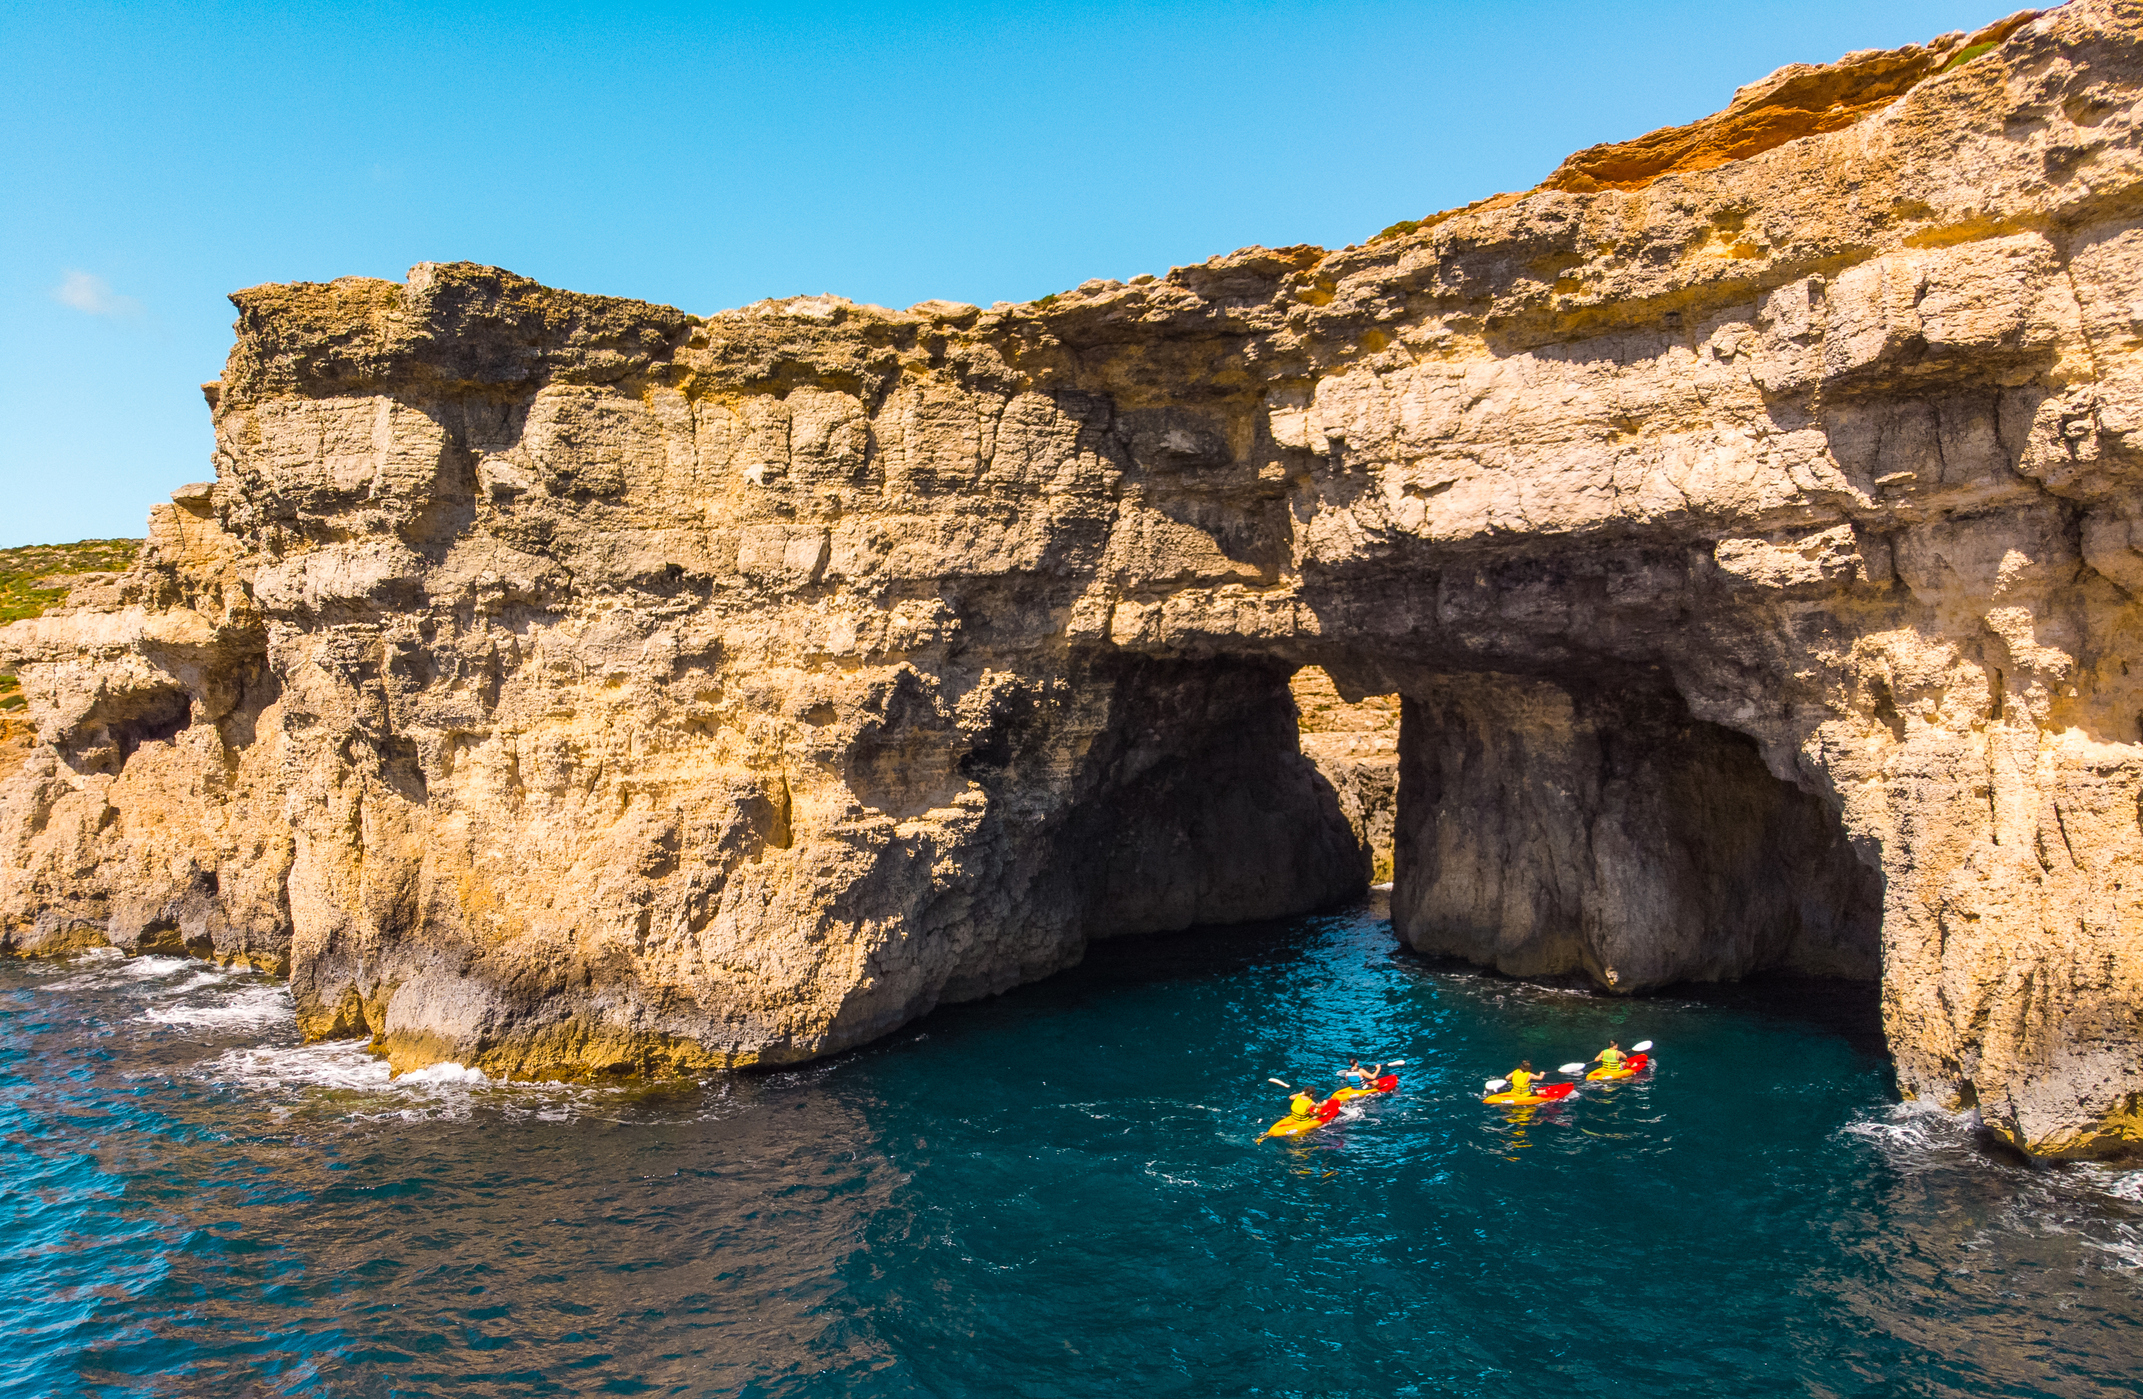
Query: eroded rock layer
x=1749 y=523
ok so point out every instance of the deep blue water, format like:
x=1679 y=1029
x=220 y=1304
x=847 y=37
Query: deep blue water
x=1057 y=1192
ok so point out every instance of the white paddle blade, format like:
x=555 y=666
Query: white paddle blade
x=1571 y=1069
x=1395 y=1063
x=1495 y=1085
x=1283 y=1085
x=1641 y=1046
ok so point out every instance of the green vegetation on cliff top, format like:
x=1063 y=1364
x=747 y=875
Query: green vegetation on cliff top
x=35 y=577
x=31 y=577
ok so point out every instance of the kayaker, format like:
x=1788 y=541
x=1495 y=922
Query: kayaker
x=1366 y=1078
x=1610 y=1057
x=1302 y=1104
x=1522 y=1079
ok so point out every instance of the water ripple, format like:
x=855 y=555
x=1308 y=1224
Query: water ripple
x=1056 y=1192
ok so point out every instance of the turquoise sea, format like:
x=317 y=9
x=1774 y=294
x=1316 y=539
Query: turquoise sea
x=1056 y=1192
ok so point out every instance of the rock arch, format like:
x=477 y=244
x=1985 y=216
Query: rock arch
x=575 y=685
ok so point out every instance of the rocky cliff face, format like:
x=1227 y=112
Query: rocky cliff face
x=1748 y=519
x=1356 y=749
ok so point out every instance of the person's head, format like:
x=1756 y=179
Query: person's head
x=1614 y=1044
x=1526 y=1064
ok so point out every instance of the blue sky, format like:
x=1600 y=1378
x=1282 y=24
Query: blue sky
x=157 y=157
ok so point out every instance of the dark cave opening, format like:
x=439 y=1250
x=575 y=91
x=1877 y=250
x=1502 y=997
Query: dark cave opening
x=1207 y=810
x=1596 y=832
x=1602 y=831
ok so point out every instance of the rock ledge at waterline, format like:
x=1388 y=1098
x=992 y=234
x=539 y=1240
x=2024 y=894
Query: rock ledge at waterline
x=1748 y=519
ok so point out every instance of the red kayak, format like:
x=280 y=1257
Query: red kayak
x=1544 y=1093
x=1384 y=1083
x=1632 y=1066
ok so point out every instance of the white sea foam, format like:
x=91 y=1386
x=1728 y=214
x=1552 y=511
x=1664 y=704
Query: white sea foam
x=2124 y=1248
x=108 y=966
x=294 y=1073
x=445 y=1073
x=181 y=991
x=2121 y=1185
x=1916 y=1136
x=155 y=967
x=258 y=1004
x=139 y=976
x=87 y=957
x=343 y=1064
x=2120 y=1239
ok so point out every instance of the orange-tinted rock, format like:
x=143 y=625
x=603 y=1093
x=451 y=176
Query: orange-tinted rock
x=571 y=685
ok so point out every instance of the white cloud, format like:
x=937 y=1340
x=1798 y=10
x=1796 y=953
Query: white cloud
x=86 y=291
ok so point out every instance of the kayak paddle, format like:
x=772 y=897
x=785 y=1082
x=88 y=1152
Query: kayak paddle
x=1496 y=1085
x=1288 y=1087
x=1571 y=1069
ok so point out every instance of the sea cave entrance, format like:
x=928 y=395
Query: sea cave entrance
x=1540 y=827
x=1355 y=746
x=1547 y=829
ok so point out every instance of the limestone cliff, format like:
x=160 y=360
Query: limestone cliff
x=1356 y=748
x=1747 y=518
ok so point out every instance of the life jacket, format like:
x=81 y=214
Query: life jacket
x=1303 y=1105
x=1522 y=1082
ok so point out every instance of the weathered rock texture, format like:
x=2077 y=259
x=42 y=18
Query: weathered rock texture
x=1356 y=747
x=563 y=684
x=1560 y=827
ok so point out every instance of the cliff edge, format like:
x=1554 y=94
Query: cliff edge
x=1747 y=520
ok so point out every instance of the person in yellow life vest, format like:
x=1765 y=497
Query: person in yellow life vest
x=1302 y=1104
x=1610 y=1057
x=1522 y=1079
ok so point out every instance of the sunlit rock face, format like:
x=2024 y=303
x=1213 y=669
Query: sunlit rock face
x=1748 y=523
x=1356 y=749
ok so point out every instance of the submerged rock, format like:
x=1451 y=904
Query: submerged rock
x=1748 y=519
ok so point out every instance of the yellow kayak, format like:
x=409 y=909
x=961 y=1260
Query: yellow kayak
x=1293 y=1126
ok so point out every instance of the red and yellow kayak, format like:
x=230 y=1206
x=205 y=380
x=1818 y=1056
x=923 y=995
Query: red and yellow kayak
x=1295 y=1125
x=1384 y=1084
x=1545 y=1093
x=1632 y=1066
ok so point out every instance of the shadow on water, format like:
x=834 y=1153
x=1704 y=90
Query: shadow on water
x=1850 y=1011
